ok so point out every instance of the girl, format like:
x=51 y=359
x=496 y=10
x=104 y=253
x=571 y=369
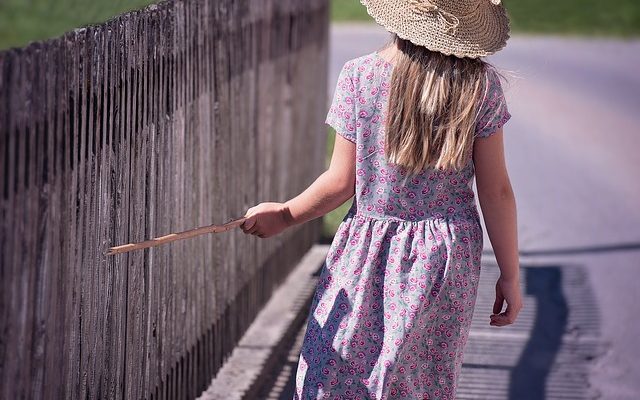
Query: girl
x=415 y=123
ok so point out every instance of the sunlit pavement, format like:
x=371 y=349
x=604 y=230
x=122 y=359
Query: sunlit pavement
x=573 y=152
x=547 y=355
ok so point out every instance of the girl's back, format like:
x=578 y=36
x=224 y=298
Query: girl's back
x=383 y=190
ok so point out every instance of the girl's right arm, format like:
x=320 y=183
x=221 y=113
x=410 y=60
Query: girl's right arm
x=498 y=205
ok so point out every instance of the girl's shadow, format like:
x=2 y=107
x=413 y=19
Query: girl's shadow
x=327 y=366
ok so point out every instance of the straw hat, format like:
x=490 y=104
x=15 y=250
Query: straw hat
x=463 y=28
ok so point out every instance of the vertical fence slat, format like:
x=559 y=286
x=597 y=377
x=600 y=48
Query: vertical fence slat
x=52 y=304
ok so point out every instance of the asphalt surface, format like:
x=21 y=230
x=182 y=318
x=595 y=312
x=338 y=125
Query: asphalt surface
x=573 y=153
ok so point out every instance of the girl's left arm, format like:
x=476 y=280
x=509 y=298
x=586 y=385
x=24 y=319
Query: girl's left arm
x=331 y=189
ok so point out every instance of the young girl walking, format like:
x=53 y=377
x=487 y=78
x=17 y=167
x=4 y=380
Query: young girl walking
x=415 y=122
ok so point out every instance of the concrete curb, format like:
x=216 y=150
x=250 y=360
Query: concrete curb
x=270 y=335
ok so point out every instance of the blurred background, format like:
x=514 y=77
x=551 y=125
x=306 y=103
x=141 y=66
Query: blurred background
x=573 y=153
x=22 y=21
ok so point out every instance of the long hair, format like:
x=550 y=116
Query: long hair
x=433 y=101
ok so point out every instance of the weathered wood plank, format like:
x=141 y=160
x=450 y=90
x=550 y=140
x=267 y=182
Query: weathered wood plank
x=159 y=120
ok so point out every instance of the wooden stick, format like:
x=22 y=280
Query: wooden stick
x=176 y=236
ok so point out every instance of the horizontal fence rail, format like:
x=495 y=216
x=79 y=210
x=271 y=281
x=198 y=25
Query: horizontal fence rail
x=180 y=115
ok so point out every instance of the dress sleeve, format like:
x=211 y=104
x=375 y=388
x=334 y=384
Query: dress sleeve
x=493 y=113
x=342 y=112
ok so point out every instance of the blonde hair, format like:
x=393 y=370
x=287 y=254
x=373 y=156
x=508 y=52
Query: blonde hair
x=433 y=102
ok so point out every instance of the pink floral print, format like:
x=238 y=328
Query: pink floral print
x=392 y=308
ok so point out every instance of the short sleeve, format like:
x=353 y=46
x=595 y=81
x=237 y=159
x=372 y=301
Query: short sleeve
x=493 y=112
x=342 y=112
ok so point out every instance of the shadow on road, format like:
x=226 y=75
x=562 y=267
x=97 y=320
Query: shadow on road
x=577 y=250
x=528 y=378
x=545 y=355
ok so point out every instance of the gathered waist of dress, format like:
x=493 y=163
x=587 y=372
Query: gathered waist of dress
x=466 y=214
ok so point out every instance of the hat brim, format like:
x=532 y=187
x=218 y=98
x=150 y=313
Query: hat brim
x=481 y=34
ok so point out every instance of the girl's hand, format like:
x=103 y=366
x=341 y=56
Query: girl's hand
x=265 y=220
x=508 y=290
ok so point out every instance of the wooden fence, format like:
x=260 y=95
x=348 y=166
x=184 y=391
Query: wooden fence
x=180 y=115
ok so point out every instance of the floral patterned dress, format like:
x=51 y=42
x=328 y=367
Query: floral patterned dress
x=392 y=309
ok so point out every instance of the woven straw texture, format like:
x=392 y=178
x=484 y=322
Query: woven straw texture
x=463 y=28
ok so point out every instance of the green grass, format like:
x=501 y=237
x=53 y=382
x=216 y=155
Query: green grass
x=348 y=10
x=584 y=17
x=23 y=21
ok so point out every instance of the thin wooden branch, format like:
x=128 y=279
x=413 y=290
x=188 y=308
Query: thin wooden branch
x=176 y=236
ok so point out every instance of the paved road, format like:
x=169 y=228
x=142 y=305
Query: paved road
x=573 y=151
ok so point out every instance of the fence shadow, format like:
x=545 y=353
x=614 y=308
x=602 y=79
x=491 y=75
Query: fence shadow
x=528 y=378
x=546 y=354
